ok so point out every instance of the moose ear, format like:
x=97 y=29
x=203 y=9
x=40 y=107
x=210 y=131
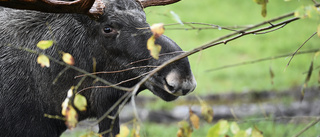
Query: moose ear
x=92 y=8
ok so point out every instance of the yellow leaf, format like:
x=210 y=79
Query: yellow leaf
x=91 y=134
x=44 y=44
x=124 y=131
x=135 y=131
x=264 y=10
x=71 y=117
x=67 y=102
x=234 y=128
x=220 y=128
x=67 y=58
x=256 y=132
x=153 y=48
x=194 y=120
x=206 y=111
x=43 y=61
x=157 y=29
x=263 y=3
x=80 y=102
x=185 y=129
x=65 y=106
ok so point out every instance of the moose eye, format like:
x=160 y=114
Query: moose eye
x=108 y=31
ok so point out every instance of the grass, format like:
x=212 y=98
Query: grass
x=234 y=12
x=268 y=127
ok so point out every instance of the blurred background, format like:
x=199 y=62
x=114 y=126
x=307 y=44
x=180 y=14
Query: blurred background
x=264 y=94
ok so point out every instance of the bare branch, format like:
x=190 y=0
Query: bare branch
x=148 y=3
x=307 y=127
x=74 y=68
x=92 y=8
x=262 y=59
x=300 y=48
x=117 y=71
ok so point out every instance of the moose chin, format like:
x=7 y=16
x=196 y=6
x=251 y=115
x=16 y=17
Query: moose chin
x=111 y=35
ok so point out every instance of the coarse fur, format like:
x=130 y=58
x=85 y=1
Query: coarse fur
x=27 y=91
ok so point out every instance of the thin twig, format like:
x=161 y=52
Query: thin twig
x=117 y=71
x=300 y=48
x=109 y=86
x=262 y=59
x=60 y=73
x=123 y=98
x=73 y=67
x=307 y=127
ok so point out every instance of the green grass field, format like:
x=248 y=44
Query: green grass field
x=236 y=13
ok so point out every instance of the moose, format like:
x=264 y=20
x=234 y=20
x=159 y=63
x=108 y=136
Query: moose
x=101 y=36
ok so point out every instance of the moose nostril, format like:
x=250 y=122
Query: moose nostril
x=178 y=85
x=170 y=87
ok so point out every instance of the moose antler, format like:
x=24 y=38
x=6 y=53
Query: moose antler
x=148 y=3
x=92 y=8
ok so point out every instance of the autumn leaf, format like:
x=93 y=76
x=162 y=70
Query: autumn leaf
x=306 y=80
x=135 y=131
x=67 y=58
x=263 y=3
x=91 y=134
x=220 y=128
x=153 y=48
x=241 y=134
x=66 y=101
x=206 y=111
x=256 y=132
x=271 y=75
x=306 y=12
x=65 y=105
x=44 y=44
x=43 y=61
x=71 y=117
x=80 y=102
x=194 y=119
x=185 y=129
x=234 y=128
x=124 y=131
x=157 y=30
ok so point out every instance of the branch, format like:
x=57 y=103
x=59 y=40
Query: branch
x=307 y=127
x=262 y=59
x=300 y=48
x=74 y=68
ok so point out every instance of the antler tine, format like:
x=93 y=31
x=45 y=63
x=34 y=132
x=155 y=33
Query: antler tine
x=92 y=8
x=148 y=3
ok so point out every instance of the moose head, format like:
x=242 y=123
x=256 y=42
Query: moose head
x=114 y=33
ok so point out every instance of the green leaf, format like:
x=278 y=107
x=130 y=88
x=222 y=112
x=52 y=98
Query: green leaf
x=256 y=132
x=221 y=128
x=234 y=128
x=306 y=12
x=80 y=102
x=44 y=44
x=241 y=133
